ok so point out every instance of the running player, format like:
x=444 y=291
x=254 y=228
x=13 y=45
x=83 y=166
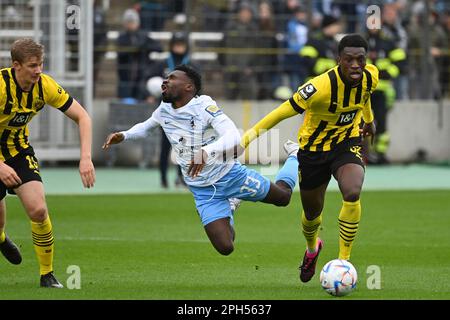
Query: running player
x=330 y=143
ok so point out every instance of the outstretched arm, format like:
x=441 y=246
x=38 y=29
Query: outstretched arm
x=284 y=111
x=138 y=131
x=78 y=114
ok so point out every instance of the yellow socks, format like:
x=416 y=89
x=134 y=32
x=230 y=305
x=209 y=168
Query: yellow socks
x=43 y=244
x=348 y=226
x=2 y=236
x=311 y=231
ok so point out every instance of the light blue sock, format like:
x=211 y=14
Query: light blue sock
x=289 y=172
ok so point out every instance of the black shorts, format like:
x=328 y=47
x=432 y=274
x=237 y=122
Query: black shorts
x=27 y=168
x=316 y=168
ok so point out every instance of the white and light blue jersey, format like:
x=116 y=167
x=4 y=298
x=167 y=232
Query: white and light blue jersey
x=197 y=124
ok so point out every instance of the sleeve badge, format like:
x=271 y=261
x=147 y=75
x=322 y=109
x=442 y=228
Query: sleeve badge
x=307 y=91
x=213 y=110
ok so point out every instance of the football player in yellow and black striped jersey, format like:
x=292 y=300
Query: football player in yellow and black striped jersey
x=334 y=103
x=24 y=91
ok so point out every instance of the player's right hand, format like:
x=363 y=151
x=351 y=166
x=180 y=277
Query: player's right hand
x=113 y=138
x=368 y=129
x=9 y=176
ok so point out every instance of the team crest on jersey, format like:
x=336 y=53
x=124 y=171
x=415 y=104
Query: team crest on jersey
x=38 y=104
x=307 y=91
x=214 y=110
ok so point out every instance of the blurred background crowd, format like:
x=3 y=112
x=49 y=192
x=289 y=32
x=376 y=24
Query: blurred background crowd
x=246 y=50
x=266 y=49
x=261 y=49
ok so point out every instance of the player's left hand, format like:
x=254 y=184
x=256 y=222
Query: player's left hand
x=87 y=173
x=197 y=163
x=368 y=129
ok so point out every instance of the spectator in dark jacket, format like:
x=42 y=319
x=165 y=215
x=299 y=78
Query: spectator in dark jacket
x=239 y=62
x=134 y=48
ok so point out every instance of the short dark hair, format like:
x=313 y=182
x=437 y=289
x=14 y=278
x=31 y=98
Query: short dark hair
x=193 y=75
x=353 y=40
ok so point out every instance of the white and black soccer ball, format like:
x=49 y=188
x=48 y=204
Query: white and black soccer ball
x=154 y=86
x=338 y=277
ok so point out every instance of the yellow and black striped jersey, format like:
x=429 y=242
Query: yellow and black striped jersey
x=333 y=109
x=18 y=107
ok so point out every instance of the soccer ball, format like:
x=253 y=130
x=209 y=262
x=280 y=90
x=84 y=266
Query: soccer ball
x=154 y=86
x=338 y=277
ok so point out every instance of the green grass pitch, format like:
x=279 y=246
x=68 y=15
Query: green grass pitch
x=154 y=247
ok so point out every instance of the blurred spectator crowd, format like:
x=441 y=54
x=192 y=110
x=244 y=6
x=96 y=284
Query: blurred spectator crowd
x=266 y=49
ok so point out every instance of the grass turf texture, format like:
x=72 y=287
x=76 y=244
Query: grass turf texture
x=154 y=247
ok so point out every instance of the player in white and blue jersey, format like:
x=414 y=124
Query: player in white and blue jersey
x=206 y=144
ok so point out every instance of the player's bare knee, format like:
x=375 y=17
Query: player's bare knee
x=352 y=195
x=225 y=249
x=38 y=214
x=283 y=198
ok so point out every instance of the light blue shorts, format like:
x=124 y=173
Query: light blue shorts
x=240 y=182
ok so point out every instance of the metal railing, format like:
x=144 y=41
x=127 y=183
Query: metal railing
x=64 y=27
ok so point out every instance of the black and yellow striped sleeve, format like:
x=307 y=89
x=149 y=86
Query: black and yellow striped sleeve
x=54 y=94
x=301 y=100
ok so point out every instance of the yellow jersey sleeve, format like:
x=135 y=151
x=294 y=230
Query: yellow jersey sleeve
x=282 y=112
x=368 y=116
x=374 y=73
x=54 y=94
x=308 y=92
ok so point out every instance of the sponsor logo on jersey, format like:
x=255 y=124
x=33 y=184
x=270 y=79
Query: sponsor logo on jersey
x=346 y=118
x=20 y=119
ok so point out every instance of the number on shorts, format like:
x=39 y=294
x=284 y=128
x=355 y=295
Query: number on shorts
x=32 y=163
x=246 y=187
